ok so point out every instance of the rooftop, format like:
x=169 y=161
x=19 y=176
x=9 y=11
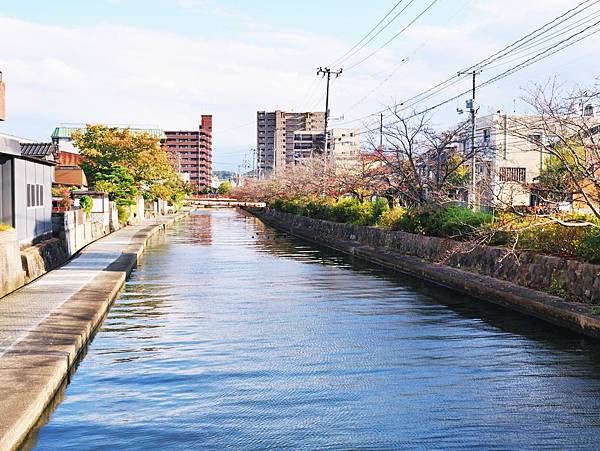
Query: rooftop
x=67 y=132
x=38 y=149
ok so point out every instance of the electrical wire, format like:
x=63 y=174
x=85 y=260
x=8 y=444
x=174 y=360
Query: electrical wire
x=386 y=43
x=506 y=51
x=377 y=34
x=341 y=58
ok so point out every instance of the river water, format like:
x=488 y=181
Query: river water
x=232 y=335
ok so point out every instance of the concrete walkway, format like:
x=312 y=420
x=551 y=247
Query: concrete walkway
x=45 y=325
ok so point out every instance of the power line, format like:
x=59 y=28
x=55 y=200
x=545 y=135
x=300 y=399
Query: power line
x=547 y=26
x=341 y=58
x=404 y=61
x=506 y=51
x=394 y=36
x=377 y=34
x=540 y=56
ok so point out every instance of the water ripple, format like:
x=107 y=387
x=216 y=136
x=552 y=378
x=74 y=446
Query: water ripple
x=232 y=335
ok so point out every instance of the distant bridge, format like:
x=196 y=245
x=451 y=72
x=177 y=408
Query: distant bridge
x=220 y=202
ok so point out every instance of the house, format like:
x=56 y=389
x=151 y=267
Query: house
x=66 y=172
x=510 y=155
x=25 y=191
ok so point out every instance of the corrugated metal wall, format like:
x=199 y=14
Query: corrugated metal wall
x=6 y=210
x=34 y=220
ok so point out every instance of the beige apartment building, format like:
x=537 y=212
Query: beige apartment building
x=275 y=133
x=343 y=146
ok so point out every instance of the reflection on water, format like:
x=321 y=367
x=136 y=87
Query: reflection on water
x=232 y=335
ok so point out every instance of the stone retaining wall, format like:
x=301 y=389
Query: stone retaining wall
x=569 y=279
x=39 y=259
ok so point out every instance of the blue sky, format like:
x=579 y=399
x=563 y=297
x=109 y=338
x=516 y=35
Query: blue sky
x=165 y=62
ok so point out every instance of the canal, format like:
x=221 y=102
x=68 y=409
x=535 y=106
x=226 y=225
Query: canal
x=232 y=335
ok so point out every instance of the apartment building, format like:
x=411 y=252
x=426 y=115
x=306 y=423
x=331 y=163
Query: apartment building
x=307 y=143
x=275 y=133
x=191 y=153
x=343 y=146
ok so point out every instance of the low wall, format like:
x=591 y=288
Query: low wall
x=12 y=275
x=533 y=284
x=76 y=230
x=72 y=231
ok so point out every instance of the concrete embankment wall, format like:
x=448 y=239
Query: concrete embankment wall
x=35 y=367
x=520 y=281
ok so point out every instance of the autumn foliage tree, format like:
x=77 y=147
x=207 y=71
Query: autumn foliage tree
x=126 y=164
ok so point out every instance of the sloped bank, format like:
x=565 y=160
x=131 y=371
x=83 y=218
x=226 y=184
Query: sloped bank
x=487 y=273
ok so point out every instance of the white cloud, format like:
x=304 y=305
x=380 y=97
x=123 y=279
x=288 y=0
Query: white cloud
x=126 y=75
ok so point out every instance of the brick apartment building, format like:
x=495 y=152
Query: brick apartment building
x=191 y=153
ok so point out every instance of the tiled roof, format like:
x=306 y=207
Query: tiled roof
x=38 y=149
x=67 y=132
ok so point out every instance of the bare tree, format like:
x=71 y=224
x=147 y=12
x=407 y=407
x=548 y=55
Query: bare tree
x=424 y=166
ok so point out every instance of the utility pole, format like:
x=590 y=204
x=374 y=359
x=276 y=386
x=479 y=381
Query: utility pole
x=254 y=163
x=326 y=72
x=473 y=109
x=381 y=132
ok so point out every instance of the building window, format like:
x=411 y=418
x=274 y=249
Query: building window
x=487 y=135
x=35 y=195
x=534 y=139
x=513 y=175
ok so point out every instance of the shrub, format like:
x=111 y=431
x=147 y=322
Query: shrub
x=554 y=239
x=380 y=207
x=348 y=210
x=124 y=212
x=5 y=227
x=589 y=246
x=458 y=221
x=453 y=221
x=86 y=203
x=390 y=218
